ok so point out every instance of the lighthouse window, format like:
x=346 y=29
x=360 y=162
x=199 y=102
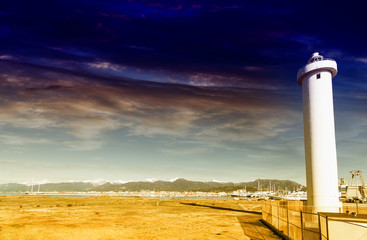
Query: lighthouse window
x=318 y=76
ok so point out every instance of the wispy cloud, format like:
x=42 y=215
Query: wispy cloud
x=363 y=60
x=87 y=109
x=22 y=140
x=106 y=66
x=6 y=57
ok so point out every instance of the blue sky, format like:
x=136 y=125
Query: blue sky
x=161 y=89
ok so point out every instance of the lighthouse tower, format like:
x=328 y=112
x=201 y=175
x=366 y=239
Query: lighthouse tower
x=319 y=133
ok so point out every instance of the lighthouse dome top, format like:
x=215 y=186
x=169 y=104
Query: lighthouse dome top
x=316 y=57
x=316 y=64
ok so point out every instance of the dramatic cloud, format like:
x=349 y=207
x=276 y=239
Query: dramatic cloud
x=89 y=107
x=184 y=84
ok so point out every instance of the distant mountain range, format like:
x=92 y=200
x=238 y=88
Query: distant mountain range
x=178 y=185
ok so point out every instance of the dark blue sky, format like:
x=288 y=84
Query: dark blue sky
x=163 y=89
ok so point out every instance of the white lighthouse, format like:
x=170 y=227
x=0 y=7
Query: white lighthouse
x=319 y=133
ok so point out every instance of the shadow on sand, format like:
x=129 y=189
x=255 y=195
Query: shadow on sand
x=250 y=223
x=221 y=208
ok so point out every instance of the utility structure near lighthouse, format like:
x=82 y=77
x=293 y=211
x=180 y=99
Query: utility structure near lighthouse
x=319 y=133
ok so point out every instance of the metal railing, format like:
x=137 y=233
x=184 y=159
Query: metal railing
x=324 y=59
x=299 y=222
x=291 y=220
x=342 y=226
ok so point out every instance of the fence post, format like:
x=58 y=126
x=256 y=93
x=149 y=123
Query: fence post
x=271 y=213
x=302 y=225
x=327 y=226
x=357 y=207
x=278 y=214
x=287 y=220
x=318 y=216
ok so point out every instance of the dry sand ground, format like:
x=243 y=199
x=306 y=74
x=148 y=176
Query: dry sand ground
x=35 y=217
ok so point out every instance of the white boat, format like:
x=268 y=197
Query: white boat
x=300 y=195
x=34 y=193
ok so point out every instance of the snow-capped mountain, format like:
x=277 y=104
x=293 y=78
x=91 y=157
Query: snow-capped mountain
x=216 y=181
x=39 y=182
x=174 y=179
x=151 y=184
x=96 y=182
x=151 y=180
x=119 y=182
